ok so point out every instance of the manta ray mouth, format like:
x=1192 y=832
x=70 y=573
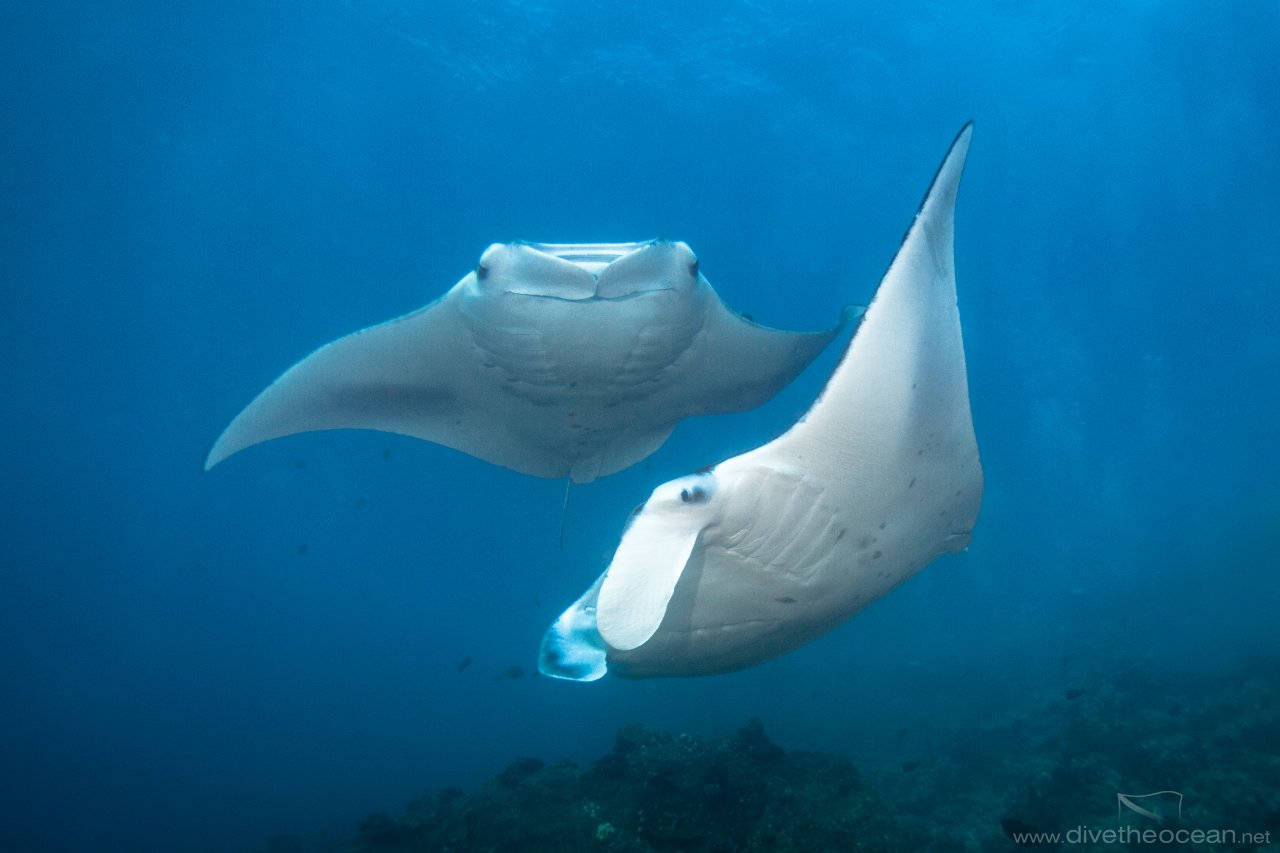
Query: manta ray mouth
x=592 y=257
x=635 y=294
x=611 y=284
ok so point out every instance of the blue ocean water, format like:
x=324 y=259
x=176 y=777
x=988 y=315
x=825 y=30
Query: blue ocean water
x=197 y=196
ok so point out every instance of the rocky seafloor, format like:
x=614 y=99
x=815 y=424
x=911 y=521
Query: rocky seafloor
x=1051 y=771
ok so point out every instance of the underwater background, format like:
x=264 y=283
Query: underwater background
x=197 y=195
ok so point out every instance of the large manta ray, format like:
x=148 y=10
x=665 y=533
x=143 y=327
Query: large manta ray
x=556 y=360
x=753 y=557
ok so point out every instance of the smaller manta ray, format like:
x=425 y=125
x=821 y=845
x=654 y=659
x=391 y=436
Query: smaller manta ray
x=747 y=560
x=556 y=360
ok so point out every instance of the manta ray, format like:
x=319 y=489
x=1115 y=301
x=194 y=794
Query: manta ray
x=746 y=560
x=556 y=360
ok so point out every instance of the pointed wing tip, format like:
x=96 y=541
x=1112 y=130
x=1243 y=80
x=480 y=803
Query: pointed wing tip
x=213 y=457
x=958 y=151
x=851 y=315
x=221 y=451
x=946 y=181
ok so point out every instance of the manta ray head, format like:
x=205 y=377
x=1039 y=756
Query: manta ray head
x=587 y=271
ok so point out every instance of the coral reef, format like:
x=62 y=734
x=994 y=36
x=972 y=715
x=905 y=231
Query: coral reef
x=654 y=792
x=1054 y=766
x=1216 y=744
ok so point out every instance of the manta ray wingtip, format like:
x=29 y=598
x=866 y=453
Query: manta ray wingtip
x=211 y=459
x=851 y=315
x=219 y=452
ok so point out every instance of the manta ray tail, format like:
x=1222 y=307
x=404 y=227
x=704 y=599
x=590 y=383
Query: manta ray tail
x=564 y=509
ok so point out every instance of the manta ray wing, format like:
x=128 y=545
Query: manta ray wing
x=555 y=360
x=879 y=478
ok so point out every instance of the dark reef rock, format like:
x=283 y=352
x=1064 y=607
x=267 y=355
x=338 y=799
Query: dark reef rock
x=654 y=792
x=1215 y=742
x=1054 y=765
x=1222 y=756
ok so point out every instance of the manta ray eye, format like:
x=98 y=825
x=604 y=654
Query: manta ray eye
x=695 y=495
x=482 y=272
x=693 y=268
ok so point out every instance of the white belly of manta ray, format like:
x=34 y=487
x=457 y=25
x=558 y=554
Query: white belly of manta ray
x=727 y=568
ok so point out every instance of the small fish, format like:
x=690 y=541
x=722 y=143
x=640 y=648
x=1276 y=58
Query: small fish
x=513 y=671
x=386 y=454
x=1073 y=694
x=463 y=664
x=910 y=766
x=300 y=464
x=303 y=548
